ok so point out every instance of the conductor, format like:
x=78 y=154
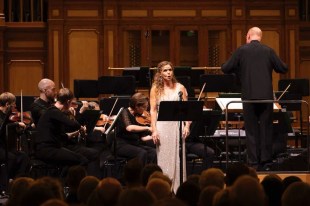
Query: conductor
x=253 y=64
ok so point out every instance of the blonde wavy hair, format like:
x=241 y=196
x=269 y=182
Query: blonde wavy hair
x=158 y=82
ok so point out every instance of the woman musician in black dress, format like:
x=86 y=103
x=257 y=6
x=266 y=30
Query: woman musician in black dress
x=133 y=138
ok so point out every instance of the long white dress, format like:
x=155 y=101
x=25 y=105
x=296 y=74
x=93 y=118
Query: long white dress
x=168 y=157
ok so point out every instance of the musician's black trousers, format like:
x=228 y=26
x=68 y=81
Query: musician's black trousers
x=144 y=153
x=258 y=126
x=203 y=151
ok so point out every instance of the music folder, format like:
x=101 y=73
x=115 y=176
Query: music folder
x=235 y=107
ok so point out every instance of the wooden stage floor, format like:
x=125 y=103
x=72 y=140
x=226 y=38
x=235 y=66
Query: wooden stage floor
x=303 y=175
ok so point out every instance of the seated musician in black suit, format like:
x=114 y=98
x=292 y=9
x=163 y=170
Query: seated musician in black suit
x=94 y=143
x=40 y=106
x=54 y=129
x=17 y=161
x=46 y=99
x=134 y=139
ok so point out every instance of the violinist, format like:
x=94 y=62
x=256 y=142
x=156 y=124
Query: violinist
x=131 y=136
x=96 y=139
x=52 y=128
x=91 y=152
x=18 y=161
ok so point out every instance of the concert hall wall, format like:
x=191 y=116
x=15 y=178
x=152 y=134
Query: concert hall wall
x=83 y=39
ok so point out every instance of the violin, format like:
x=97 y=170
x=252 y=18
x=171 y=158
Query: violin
x=144 y=118
x=24 y=117
x=104 y=119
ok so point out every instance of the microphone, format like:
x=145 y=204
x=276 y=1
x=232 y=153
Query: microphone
x=180 y=95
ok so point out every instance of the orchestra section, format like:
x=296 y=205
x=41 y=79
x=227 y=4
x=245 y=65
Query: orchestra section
x=104 y=51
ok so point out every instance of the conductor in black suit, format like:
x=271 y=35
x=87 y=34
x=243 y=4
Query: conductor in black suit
x=253 y=64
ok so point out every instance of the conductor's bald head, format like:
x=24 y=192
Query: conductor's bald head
x=254 y=33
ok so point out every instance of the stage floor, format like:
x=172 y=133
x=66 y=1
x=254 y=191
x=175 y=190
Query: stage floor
x=304 y=176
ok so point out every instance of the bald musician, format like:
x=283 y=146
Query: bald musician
x=253 y=64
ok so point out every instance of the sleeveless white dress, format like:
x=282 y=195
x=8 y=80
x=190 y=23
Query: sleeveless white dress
x=168 y=151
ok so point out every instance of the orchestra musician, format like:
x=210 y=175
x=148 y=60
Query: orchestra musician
x=94 y=145
x=131 y=136
x=53 y=128
x=253 y=64
x=46 y=99
x=18 y=161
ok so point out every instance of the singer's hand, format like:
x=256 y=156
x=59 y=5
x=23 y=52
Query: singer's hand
x=185 y=132
x=155 y=137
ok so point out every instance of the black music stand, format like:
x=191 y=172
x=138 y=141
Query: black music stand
x=117 y=85
x=219 y=82
x=106 y=104
x=90 y=119
x=109 y=130
x=207 y=125
x=180 y=111
x=27 y=101
x=142 y=75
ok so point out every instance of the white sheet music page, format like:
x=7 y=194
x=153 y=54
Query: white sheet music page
x=234 y=107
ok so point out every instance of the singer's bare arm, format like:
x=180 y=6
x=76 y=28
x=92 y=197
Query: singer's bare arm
x=154 y=112
x=186 y=129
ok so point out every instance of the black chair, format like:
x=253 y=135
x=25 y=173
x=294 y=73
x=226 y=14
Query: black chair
x=85 y=88
x=117 y=85
x=39 y=168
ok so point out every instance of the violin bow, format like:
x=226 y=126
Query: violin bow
x=105 y=124
x=203 y=87
x=284 y=92
x=21 y=106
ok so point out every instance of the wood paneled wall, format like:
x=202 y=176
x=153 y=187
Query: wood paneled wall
x=83 y=38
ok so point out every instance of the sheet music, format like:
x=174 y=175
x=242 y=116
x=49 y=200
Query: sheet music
x=222 y=102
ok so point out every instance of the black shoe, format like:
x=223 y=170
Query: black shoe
x=266 y=165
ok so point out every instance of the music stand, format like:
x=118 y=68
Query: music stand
x=218 y=82
x=114 y=122
x=106 y=105
x=27 y=101
x=180 y=111
x=111 y=127
x=207 y=125
x=90 y=119
x=117 y=85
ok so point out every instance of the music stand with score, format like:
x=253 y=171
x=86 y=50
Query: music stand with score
x=180 y=111
x=91 y=118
